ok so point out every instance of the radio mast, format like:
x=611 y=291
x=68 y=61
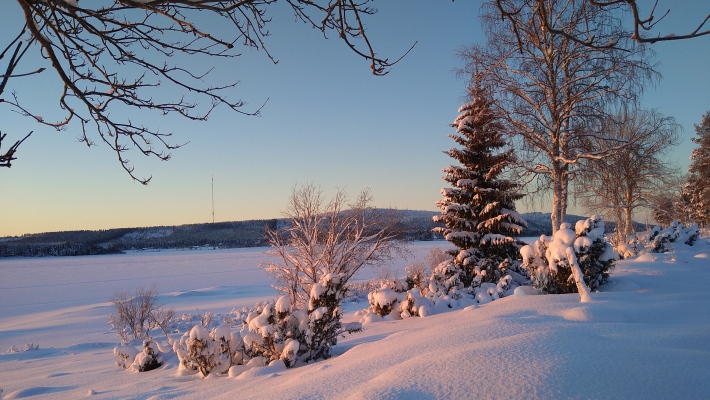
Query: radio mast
x=213 y=198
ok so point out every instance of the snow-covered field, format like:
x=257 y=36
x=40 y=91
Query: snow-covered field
x=645 y=335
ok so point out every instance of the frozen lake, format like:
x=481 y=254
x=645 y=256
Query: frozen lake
x=64 y=291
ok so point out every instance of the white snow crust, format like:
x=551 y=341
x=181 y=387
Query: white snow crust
x=646 y=334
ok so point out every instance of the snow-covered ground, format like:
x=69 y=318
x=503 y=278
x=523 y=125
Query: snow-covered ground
x=645 y=335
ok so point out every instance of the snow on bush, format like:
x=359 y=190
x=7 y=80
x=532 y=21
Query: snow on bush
x=633 y=246
x=203 y=352
x=290 y=335
x=125 y=355
x=595 y=255
x=384 y=300
x=275 y=332
x=442 y=291
x=416 y=305
x=149 y=359
x=324 y=314
x=388 y=297
x=659 y=240
x=572 y=261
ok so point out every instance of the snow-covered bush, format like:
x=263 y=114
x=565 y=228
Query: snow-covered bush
x=274 y=333
x=659 y=240
x=446 y=277
x=287 y=334
x=445 y=289
x=203 y=352
x=595 y=255
x=388 y=297
x=416 y=305
x=324 y=314
x=125 y=355
x=149 y=359
x=552 y=264
x=488 y=291
x=633 y=246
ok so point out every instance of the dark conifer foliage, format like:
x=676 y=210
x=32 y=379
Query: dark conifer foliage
x=478 y=210
x=697 y=190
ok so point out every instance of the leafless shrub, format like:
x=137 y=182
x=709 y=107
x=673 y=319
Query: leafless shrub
x=328 y=238
x=138 y=314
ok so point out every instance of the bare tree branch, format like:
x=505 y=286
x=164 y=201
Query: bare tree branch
x=640 y=23
x=115 y=56
x=6 y=159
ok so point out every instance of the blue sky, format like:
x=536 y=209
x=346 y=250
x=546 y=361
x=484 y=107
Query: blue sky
x=327 y=121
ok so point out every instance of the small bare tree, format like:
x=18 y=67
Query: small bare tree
x=324 y=238
x=138 y=314
x=115 y=57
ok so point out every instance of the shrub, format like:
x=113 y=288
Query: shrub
x=138 y=314
x=416 y=305
x=274 y=333
x=387 y=298
x=125 y=355
x=290 y=335
x=324 y=314
x=199 y=351
x=149 y=359
x=659 y=240
x=551 y=263
x=632 y=247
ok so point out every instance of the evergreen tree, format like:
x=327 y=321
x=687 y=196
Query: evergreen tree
x=478 y=211
x=698 y=184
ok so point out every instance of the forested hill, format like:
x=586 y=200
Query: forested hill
x=417 y=226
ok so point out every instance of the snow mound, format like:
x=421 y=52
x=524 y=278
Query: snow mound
x=644 y=258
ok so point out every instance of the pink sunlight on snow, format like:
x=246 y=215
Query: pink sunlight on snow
x=644 y=335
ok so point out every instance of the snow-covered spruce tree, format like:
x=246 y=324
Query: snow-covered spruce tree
x=595 y=255
x=478 y=211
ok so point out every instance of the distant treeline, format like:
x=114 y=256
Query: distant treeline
x=416 y=225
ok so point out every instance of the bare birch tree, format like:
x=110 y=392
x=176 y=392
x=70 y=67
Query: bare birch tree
x=551 y=88
x=324 y=238
x=618 y=185
x=118 y=55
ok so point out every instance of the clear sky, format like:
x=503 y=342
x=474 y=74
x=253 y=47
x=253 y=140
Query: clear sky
x=328 y=120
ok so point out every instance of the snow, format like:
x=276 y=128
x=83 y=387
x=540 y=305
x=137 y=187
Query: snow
x=645 y=335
